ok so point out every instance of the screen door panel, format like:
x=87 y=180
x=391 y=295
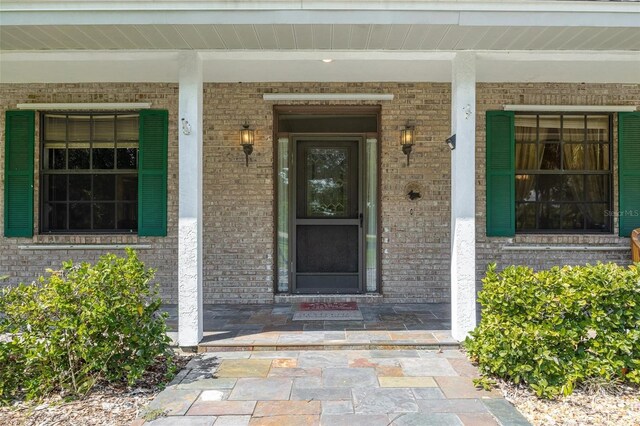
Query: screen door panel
x=328 y=229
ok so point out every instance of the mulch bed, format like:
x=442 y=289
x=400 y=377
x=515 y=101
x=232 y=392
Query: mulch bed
x=106 y=404
x=595 y=405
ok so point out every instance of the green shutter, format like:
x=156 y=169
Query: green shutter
x=629 y=171
x=18 y=173
x=152 y=173
x=501 y=207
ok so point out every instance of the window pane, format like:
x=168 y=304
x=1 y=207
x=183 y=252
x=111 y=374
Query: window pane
x=56 y=216
x=79 y=216
x=549 y=128
x=55 y=187
x=572 y=217
x=526 y=157
x=573 y=188
x=79 y=158
x=596 y=216
x=598 y=128
x=127 y=188
x=526 y=187
x=104 y=187
x=103 y=127
x=550 y=188
x=55 y=127
x=127 y=127
x=597 y=188
x=573 y=156
x=79 y=127
x=549 y=216
x=127 y=158
x=79 y=187
x=104 y=215
x=573 y=128
x=54 y=158
x=526 y=128
x=127 y=216
x=103 y=158
x=598 y=157
x=549 y=156
x=525 y=216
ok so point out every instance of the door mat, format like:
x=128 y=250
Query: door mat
x=341 y=315
x=328 y=306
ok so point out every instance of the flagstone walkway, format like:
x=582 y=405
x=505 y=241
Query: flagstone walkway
x=329 y=387
x=398 y=365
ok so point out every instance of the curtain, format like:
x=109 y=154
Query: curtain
x=577 y=157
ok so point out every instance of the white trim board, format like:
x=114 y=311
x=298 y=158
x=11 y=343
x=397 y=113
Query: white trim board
x=327 y=97
x=571 y=108
x=85 y=106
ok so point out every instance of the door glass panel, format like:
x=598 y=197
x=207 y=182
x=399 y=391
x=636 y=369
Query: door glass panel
x=371 y=212
x=327 y=182
x=283 y=215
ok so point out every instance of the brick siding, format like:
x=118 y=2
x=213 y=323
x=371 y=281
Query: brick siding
x=239 y=201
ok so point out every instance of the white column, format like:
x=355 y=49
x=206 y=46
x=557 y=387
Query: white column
x=190 y=201
x=463 y=196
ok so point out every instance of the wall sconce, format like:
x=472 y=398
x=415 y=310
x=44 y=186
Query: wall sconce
x=451 y=142
x=246 y=140
x=406 y=140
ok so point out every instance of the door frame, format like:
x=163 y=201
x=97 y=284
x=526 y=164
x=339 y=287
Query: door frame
x=312 y=110
x=294 y=138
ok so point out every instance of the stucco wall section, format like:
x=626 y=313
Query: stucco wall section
x=492 y=97
x=26 y=265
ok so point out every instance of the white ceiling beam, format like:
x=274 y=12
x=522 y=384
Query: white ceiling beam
x=475 y=13
x=301 y=66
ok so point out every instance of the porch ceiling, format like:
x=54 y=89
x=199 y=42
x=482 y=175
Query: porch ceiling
x=355 y=25
x=329 y=37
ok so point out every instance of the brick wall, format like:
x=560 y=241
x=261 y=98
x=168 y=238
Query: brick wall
x=500 y=250
x=239 y=201
x=25 y=265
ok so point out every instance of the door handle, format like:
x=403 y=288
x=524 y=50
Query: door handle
x=361 y=219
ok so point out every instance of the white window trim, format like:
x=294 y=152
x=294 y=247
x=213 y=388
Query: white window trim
x=85 y=106
x=570 y=108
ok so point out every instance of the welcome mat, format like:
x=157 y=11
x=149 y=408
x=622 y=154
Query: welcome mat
x=328 y=311
x=328 y=306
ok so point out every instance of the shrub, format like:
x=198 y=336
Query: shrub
x=79 y=325
x=557 y=328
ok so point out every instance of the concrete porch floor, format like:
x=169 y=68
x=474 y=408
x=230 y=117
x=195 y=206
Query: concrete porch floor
x=271 y=327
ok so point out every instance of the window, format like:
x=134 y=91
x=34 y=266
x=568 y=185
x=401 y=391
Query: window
x=89 y=172
x=563 y=173
x=552 y=172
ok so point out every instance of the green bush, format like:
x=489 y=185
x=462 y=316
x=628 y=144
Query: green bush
x=558 y=328
x=79 y=325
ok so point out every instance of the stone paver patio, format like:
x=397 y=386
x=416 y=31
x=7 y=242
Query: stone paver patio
x=271 y=327
x=399 y=365
x=330 y=387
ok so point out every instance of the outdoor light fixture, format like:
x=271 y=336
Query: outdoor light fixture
x=246 y=139
x=406 y=140
x=451 y=141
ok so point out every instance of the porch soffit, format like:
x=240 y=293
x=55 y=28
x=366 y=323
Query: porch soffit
x=325 y=37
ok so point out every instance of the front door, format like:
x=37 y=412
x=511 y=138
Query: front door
x=327 y=215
